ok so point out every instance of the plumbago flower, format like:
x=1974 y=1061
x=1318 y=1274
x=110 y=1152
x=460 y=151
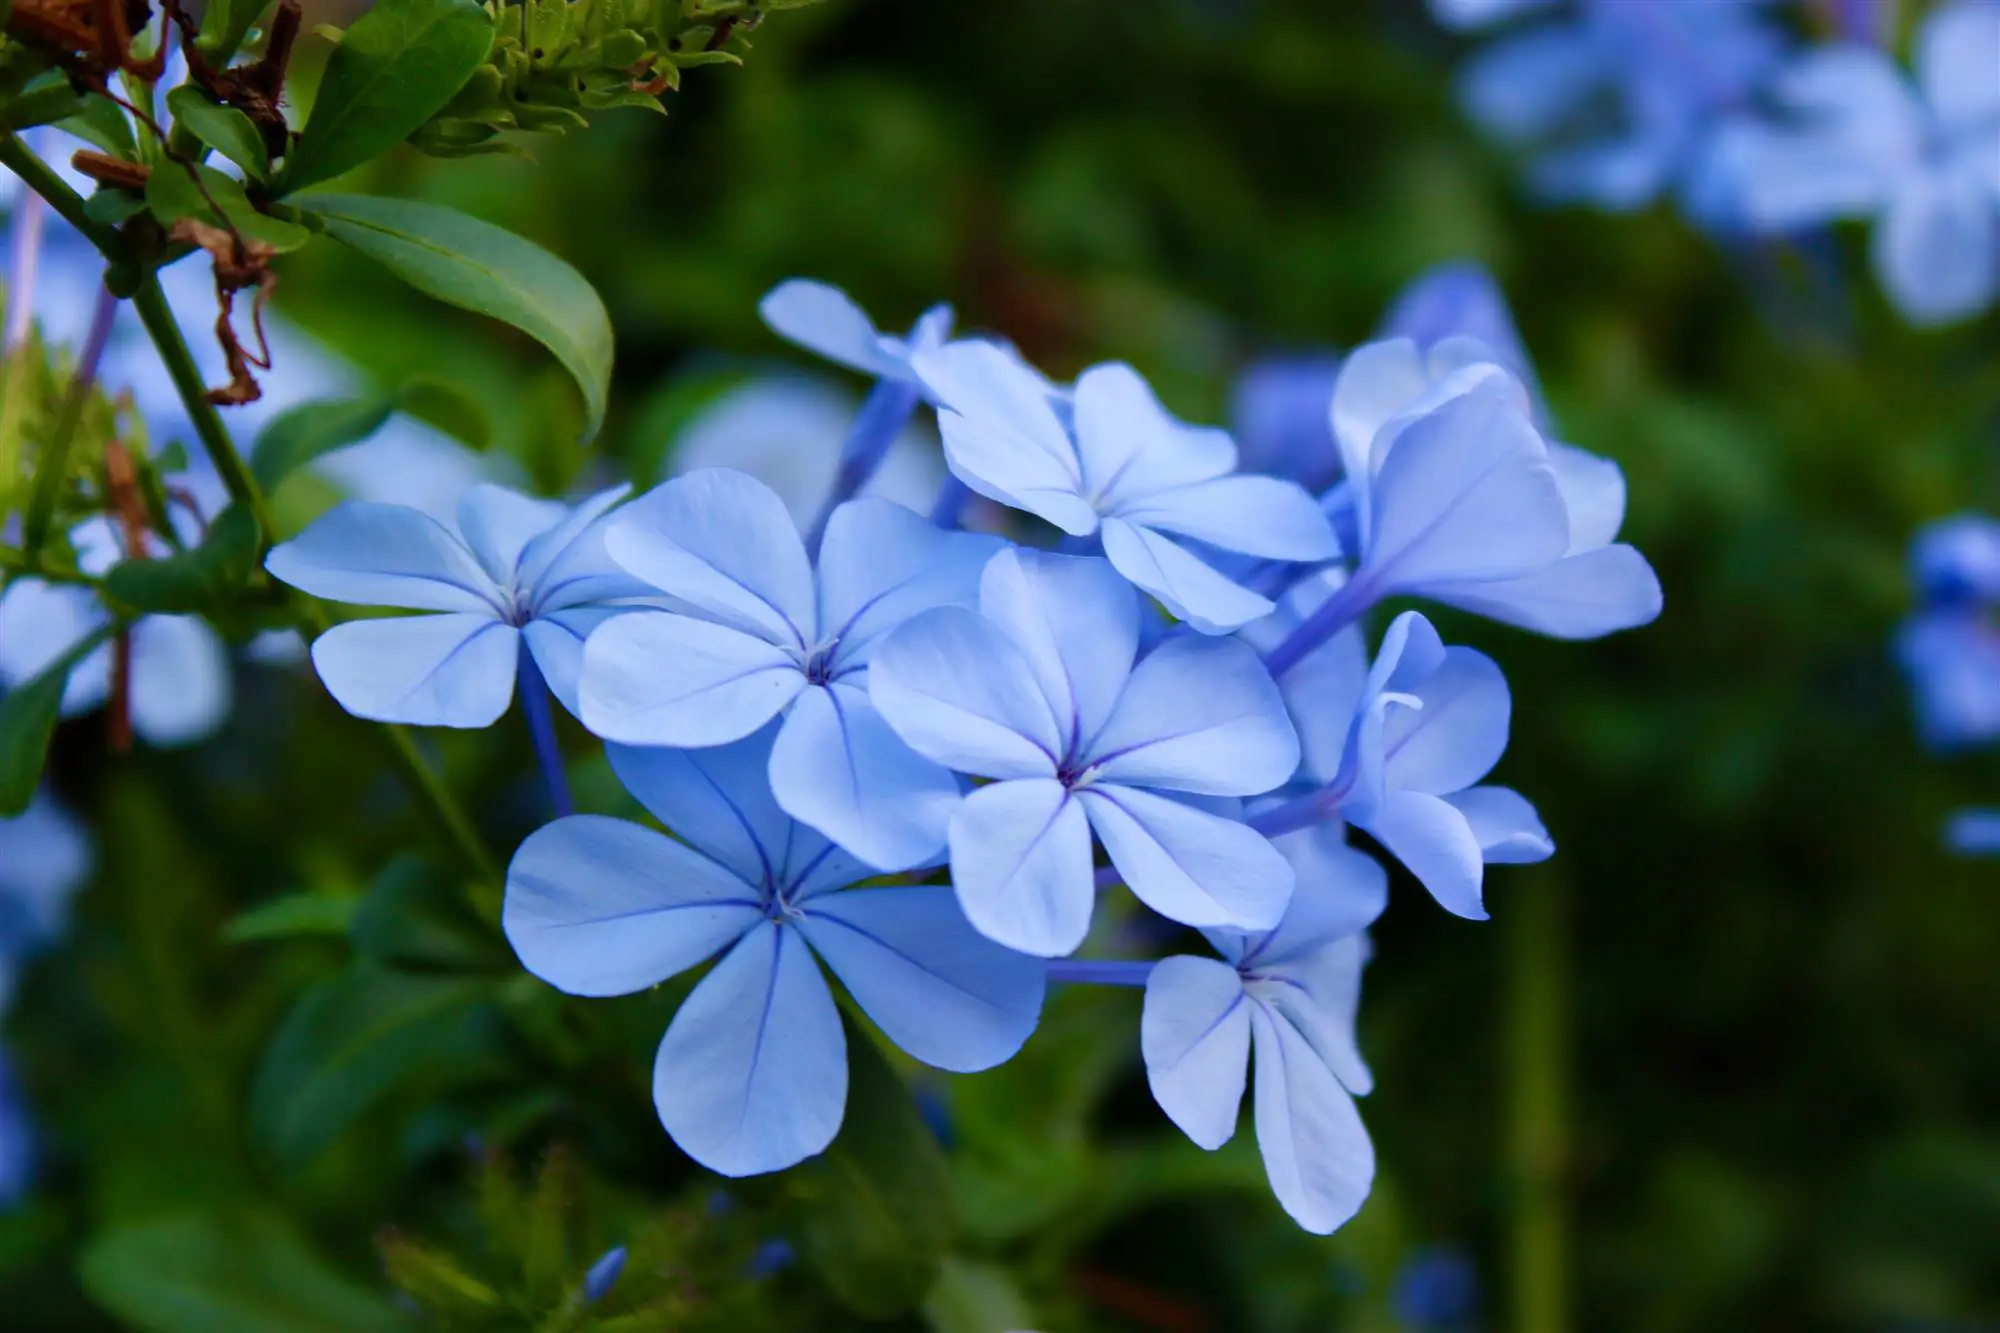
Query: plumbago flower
x=1108 y=461
x=752 y=1073
x=516 y=590
x=1950 y=650
x=757 y=630
x=1040 y=692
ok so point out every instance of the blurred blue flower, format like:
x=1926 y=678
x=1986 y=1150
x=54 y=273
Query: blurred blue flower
x=1039 y=691
x=520 y=576
x=1292 y=994
x=603 y=1274
x=45 y=856
x=1957 y=559
x=1437 y=1291
x=1110 y=461
x=17 y=1138
x=1974 y=832
x=1280 y=415
x=754 y=630
x=1461 y=300
x=752 y=1073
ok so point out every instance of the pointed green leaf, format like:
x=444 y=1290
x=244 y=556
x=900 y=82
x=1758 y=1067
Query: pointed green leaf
x=224 y=25
x=28 y=716
x=412 y=916
x=223 y=128
x=395 y=68
x=202 y=579
x=305 y=431
x=477 y=266
x=295 y=914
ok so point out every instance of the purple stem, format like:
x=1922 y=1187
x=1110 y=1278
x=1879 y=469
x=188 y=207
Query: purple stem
x=24 y=259
x=883 y=414
x=535 y=696
x=949 y=510
x=1336 y=613
x=1100 y=971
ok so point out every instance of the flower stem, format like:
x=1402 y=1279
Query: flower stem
x=535 y=696
x=1101 y=971
x=37 y=175
x=53 y=466
x=1538 y=1105
x=949 y=509
x=883 y=414
x=25 y=249
x=1347 y=604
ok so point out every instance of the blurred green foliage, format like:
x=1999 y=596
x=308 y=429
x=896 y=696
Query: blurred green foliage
x=1780 y=1028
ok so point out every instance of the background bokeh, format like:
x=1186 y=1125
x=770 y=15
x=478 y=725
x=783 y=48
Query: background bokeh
x=1730 y=1061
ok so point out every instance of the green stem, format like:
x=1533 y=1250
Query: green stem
x=1538 y=1112
x=52 y=467
x=19 y=159
x=444 y=810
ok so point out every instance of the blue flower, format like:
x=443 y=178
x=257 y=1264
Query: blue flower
x=603 y=1274
x=1856 y=138
x=752 y=1073
x=1437 y=1291
x=1461 y=300
x=1458 y=497
x=756 y=631
x=1957 y=559
x=1430 y=723
x=521 y=575
x=1292 y=994
x=1974 y=832
x=1952 y=656
x=1109 y=461
x=45 y=856
x=1039 y=691
x=17 y=1138
x=825 y=320
x=1279 y=417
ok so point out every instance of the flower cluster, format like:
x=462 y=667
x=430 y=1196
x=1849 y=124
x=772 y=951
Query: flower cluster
x=918 y=757
x=1951 y=650
x=1708 y=101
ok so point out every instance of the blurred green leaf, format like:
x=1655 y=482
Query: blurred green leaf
x=412 y=916
x=103 y=125
x=224 y=24
x=176 y=190
x=202 y=579
x=479 y=267
x=224 y=128
x=28 y=716
x=395 y=68
x=976 y=1298
x=305 y=431
x=295 y=914
x=247 y=1273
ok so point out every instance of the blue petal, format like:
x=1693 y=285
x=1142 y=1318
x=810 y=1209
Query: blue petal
x=45 y=856
x=723 y=543
x=1583 y=596
x=1318 y=991
x=1316 y=1150
x=718 y=800
x=1430 y=836
x=940 y=990
x=599 y=906
x=1461 y=300
x=451 y=670
x=1323 y=691
x=1130 y=448
x=1199 y=715
x=1973 y=832
x=1593 y=492
x=557 y=567
x=839 y=767
x=956 y=689
x=1466 y=14
x=1936 y=248
x=384 y=555
x=1186 y=586
x=1958 y=63
x=1002 y=436
x=823 y=319
x=653 y=678
x=498 y=524
x=880 y=564
x=1458 y=734
x=39 y=622
x=1506 y=825
x=1524 y=88
x=181 y=684
x=1195 y=1035
x=752 y=1074
x=1340 y=892
x=1279 y=412
x=1020 y=861
x=1186 y=864
x=1260 y=516
x=1075 y=621
x=557 y=641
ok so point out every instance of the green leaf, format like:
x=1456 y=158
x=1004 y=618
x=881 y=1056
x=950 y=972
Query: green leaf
x=230 y=1273
x=414 y=917
x=479 y=267
x=353 y=1040
x=873 y=1212
x=42 y=106
x=224 y=25
x=223 y=128
x=450 y=408
x=975 y=1298
x=28 y=716
x=295 y=914
x=202 y=579
x=395 y=68
x=174 y=192
x=102 y=125
x=305 y=431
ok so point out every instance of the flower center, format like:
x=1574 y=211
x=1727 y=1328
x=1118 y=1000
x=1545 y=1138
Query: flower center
x=820 y=663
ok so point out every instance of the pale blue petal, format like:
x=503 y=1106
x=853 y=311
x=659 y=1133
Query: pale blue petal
x=557 y=641
x=839 y=767
x=1319 y=992
x=956 y=689
x=1340 y=891
x=39 y=622
x=1001 y=434
x=1411 y=653
x=1130 y=447
x=599 y=906
x=999 y=466
x=1958 y=62
x=384 y=555
x=880 y=564
x=722 y=542
x=716 y=799
x=451 y=670
x=45 y=855
x=1525 y=87
x=1199 y=715
x=1467 y=14
x=1281 y=414
x=1458 y=734
x=1020 y=861
x=1323 y=691
x=940 y=990
x=554 y=562
x=1938 y=247
x=1076 y=624
x=1506 y=825
x=1466 y=492
x=823 y=319
x=1593 y=492
x=1461 y=300
x=1377 y=381
x=1260 y=516
x=1316 y=1150
x=1189 y=865
x=1583 y=596
x=181 y=682
x=498 y=524
x=653 y=678
x=752 y=1074
x=1429 y=836
x=1186 y=586
x=1195 y=1036
x=1973 y=832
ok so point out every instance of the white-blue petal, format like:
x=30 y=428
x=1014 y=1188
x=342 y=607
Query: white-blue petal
x=450 y=670
x=1958 y=62
x=599 y=906
x=557 y=563
x=1130 y=447
x=557 y=640
x=497 y=525
x=1583 y=596
x=1458 y=734
x=718 y=800
x=1340 y=891
x=655 y=678
x=821 y=318
x=1001 y=434
x=1187 y=587
x=940 y=990
x=1020 y=862
x=181 y=683
x=1938 y=247
x=1198 y=715
x=1187 y=864
x=956 y=689
x=1260 y=516
x=841 y=768
x=880 y=564
x=1316 y=1150
x=1075 y=622
x=1195 y=1036
x=1435 y=841
x=1318 y=991
x=384 y=555
x=752 y=1074
x=1506 y=825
